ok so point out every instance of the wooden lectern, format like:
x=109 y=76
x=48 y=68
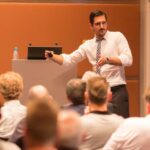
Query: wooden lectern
x=53 y=76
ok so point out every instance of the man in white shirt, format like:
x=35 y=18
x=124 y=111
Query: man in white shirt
x=108 y=52
x=134 y=133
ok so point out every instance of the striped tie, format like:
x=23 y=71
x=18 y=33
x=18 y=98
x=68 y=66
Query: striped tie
x=98 y=55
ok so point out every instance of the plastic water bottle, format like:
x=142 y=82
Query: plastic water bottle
x=15 y=53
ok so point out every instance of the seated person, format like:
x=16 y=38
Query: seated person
x=75 y=93
x=11 y=87
x=98 y=124
x=41 y=125
x=69 y=130
x=37 y=92
x=134 y=133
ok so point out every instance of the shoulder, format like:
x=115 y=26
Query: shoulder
x=138 y=124
x=134 y=121
x=87 y=118
x=88 y=42
x=115 y=33
x=7 y=145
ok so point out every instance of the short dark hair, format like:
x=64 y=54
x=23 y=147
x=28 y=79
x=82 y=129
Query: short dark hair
x=97 y=88
x=96 y=13
x=75 y=91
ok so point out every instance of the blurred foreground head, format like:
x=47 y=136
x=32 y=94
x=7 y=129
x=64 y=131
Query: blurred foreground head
x=69 y=130
x=38 y=92
x=41 y=122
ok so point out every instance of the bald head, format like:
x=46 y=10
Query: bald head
x=69 y=130
x=38 y=92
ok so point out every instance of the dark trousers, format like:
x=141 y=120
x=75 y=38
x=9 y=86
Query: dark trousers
x=120 y=100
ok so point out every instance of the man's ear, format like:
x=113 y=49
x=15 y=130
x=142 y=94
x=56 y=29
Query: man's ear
x=86 y=95
x=147 y=108
x=109 y=95
x=91 y=26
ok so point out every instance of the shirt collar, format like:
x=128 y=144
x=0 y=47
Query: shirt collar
x=12 y=102
x=104 y=38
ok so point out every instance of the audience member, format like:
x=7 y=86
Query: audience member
x=11 y=87
x=41 y=125
x=75 y=92
x=89 y=74
x=69 y=130
x=134 y=133
x=37 y=92
x=4 y=145
x=98 y=124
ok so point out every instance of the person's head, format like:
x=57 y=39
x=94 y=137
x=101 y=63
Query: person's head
x=75 y=89
x=98 y=23
x=69 y=130
x=11 y=85
x=41 y=122
x=89 y=74
x=38 y=92
x=98 y=90
x=147 y=98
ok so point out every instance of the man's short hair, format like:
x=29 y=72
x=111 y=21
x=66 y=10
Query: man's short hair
x=97 y=88
x=11 y=85
x=147 y=95
x=41 y=120
x=75 y=89
x=96 y=13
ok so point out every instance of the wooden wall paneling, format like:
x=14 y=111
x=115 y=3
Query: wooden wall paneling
x=134 y=103
x=66 y=24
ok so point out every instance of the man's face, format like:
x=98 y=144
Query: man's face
x=99 y=26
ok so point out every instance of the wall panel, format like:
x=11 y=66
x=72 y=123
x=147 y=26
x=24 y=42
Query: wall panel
x=66 y=24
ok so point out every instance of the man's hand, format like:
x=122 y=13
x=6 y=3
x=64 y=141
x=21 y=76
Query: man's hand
x=102 y=60
x=48 y=54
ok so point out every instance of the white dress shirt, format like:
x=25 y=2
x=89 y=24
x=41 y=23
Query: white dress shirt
x=113 y=45
x=11 y=114
x=133 y=134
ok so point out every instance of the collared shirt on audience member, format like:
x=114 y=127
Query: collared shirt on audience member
x=134 y=133
x=11 y=87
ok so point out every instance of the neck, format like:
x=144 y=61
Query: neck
x=95 y=107
x=35 y=145
x=47 y=147
x=99 y=38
